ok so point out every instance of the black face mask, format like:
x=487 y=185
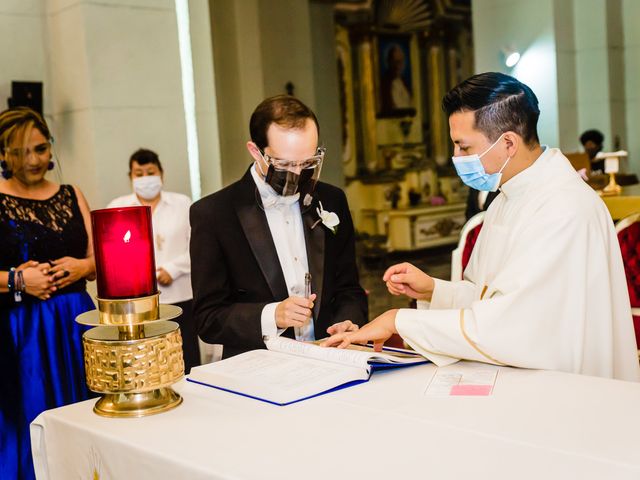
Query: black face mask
x=287 y=183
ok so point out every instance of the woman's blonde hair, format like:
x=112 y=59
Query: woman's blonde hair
x=17 y=121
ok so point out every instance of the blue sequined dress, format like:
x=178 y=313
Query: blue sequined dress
x=41 y=360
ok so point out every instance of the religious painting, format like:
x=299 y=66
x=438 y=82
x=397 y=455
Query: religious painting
x=395 y=94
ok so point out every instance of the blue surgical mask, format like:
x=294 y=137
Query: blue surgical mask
x=472 y=172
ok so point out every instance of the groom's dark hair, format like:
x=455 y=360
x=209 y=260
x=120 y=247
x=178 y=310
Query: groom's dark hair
x=284 y=110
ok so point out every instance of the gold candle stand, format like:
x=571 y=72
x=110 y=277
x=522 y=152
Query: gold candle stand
x=133 y=356
x=612 y=188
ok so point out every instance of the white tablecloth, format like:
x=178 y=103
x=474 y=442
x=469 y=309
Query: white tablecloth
x=536 y=424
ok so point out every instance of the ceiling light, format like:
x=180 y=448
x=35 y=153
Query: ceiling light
x=511 y=57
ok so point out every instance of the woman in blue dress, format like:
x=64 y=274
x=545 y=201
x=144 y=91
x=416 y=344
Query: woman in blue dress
x=46 y=257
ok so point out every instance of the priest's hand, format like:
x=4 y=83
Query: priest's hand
x=294 y=311
x=341 y=327
x=405 y=279
x=377 y=331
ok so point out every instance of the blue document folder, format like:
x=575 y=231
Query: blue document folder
x=290 y=371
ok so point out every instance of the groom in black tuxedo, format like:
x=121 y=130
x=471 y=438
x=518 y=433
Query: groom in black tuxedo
x=255 y=242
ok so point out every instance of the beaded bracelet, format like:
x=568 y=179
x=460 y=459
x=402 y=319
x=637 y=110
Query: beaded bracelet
x=11 y=280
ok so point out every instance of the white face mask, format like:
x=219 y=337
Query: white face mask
x=147 y=187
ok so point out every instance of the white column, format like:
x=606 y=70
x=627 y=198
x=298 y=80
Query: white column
x=116 y=86
x=23 y=55
x=528 y=27
x=631 y=14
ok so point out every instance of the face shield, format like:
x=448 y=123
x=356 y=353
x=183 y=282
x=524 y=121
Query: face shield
x=288 y=177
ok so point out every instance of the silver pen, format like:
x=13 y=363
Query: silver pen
x=307 y=294
x=307 y=285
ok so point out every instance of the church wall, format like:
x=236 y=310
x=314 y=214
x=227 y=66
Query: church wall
x=112 y=83
x=568 y=129
x=285 y=46
x=131 y=93
x=592 y=84
x=600 y=70
x=581 y=59
x=325 y=80
x=235 y=32
x=23 y=55
x=261 y=45
x=631 y=55
x=528 y=27
x=208 y=124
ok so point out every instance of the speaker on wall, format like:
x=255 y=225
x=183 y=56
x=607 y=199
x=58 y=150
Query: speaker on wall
x=26 y=94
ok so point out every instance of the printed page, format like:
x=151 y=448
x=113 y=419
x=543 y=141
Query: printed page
x=275 y=376
x=355 y=355
x=389 y=354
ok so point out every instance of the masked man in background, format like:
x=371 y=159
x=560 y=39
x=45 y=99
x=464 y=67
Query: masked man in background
x=274 y=253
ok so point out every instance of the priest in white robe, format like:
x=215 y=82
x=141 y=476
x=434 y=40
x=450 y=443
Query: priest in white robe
x=545 y=286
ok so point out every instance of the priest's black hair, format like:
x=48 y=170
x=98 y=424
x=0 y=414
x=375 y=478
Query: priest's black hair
x=500 y=102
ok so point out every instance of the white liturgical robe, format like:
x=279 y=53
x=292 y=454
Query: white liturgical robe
x=545 y=286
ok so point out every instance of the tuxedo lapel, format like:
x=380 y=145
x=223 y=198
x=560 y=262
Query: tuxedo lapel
x=256 y=230
x=314 y=241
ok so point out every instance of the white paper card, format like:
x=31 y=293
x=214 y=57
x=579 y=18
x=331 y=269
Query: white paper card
x=477 y=382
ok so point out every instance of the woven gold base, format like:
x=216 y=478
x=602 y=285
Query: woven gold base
x=133 y=357
x=127 y=405
x=115 y=363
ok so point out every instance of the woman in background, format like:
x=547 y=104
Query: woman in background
x=45 y=258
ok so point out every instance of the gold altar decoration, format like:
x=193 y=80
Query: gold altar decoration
x=612 y=188
x=133 y=354
x=131 y=358
x=611 y=167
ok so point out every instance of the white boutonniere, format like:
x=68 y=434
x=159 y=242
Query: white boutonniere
x=328 y=219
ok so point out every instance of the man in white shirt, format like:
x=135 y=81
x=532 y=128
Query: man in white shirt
x=171 y=232
x=274 y=253
x=547 y=243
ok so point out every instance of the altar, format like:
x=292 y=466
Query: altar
x=625 y=204
x=534 y=424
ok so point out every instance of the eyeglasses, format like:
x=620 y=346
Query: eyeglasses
x=39 y=150
x=309 y=163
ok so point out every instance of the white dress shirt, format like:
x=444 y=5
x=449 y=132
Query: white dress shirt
x=285 y=223
x=171 y=233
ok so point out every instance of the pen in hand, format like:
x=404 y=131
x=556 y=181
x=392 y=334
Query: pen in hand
x=307 y=294
x=307 y=285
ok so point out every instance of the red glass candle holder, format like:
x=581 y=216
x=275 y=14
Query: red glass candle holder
x=123 y=247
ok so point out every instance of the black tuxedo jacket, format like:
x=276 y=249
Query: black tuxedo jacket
x=235 y=269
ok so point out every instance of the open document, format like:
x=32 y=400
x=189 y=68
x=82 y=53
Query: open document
x=290 y=371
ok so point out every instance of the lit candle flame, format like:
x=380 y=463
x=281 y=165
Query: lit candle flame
x=127 y=236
